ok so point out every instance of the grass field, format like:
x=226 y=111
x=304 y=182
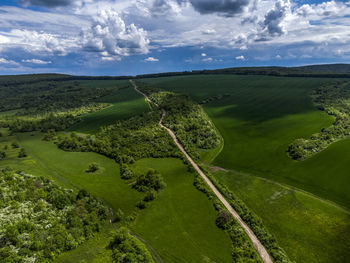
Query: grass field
x=125 y=103
x=183 y=217
x=70 y=167
x=180 y=223
x=258 y=121
x=308 y=229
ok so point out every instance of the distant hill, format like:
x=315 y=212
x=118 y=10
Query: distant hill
x=317 y=71
x=338 y=68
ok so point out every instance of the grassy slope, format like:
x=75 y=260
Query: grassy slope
x=260 y=119
x=180 y=223
x=125 y=103
x=309 y=230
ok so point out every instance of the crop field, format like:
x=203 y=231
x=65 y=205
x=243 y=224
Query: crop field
x=259 y=118
x=180 y=223
x=308 y=229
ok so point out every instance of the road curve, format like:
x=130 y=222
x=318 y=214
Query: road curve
x=256 y=242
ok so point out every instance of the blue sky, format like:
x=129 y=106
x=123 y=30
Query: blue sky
x=127 y=37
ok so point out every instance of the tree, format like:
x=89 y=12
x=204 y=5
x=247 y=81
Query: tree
x=22 y=153
x=119 y=215
x=224 y=219
x=93 y=167
x=2 y=155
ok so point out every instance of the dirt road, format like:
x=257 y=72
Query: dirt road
x=256 y=242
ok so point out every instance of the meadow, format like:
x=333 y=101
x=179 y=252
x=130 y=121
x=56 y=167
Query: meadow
x=308 y=229
x=199 y=238
x=180 y=223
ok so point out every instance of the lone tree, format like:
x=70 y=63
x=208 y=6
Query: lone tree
x=93 y=167
x=22 y=153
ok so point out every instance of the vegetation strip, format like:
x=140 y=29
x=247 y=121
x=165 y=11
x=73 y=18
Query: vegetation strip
x=257 y=244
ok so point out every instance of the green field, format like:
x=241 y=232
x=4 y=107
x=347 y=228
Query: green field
x=308 y=229
x=258 y=121
x=125 y=104
x=180 y=223
x=70 y=167
x=185 y=230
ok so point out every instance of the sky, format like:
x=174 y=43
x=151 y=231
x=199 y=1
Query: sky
x=129 y=37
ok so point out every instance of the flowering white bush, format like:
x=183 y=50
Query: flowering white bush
x=39 y=220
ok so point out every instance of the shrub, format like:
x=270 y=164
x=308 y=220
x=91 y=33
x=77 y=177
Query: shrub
x=224 y=219
x=151 y=180
x=141 y=204
x=22 y=153
x=126 y=248
x=93 y=167
x=2 y=155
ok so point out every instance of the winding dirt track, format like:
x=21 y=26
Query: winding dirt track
x=256 y=242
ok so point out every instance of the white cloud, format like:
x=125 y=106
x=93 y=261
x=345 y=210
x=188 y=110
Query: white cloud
x=207 y=59
x=203 y=55
x=8 y=62
x=111 y=35
x=36 y=42
x=36 y=61
x=151 y=59
x=209 y=31
x=240 y=57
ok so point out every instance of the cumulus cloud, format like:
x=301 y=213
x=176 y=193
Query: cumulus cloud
x=240 y=57
x=274 y=18
x=151 y=59
x=36 y=42
x=36 y=61
x=110 y=35
x=224 y=7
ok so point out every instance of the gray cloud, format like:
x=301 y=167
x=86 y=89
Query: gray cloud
x=275 y=16
x=46 y=3
x=225 y=7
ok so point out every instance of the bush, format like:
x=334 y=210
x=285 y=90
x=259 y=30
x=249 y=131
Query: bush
x=151 y=180
x=22 y=153
x=93 y=167
x=126 y=248
x=141 y=205
x=119 y=215
x=2 y=155
x=150 y=196
x=224 y=219
x=15 y=145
